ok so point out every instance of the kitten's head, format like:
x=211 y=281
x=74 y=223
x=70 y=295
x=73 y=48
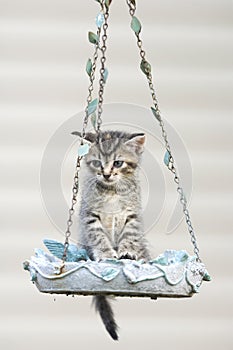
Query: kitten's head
x=113 y=156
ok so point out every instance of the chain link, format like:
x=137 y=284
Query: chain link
x=103 y=49
x=71 y=210
x=132 y=8
x=91 y=86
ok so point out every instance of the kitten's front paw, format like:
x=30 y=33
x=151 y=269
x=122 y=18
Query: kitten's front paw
x=127 y=255
x=111 y=254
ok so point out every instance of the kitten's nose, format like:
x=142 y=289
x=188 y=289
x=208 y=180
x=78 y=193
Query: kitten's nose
x=106 y=176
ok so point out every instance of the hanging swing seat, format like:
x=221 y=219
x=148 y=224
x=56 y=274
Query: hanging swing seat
x=68 y=269
x=173 y=274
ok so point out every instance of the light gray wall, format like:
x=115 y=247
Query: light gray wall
x=44 y=50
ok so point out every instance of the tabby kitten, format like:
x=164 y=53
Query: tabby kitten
x=110 y=218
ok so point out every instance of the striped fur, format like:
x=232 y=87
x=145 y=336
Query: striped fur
x=110 y=218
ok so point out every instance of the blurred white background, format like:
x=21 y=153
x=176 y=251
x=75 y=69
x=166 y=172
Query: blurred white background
x=44 y=50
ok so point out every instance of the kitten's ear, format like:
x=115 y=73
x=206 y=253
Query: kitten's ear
x=89 y=136
x=136 y=142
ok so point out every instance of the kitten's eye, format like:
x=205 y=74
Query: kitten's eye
x=96 y=163
x=118 y=163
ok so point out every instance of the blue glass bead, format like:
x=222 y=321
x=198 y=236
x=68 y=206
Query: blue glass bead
x=89 y=67
x=83 y=150
x=167 y=158
x=99 y=20
x=93 y=38
x=136 y=25
x=156 y=114
x=105 y=75
x=92 y=106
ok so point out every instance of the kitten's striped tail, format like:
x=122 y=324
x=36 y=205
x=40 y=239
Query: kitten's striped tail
x=103 y=306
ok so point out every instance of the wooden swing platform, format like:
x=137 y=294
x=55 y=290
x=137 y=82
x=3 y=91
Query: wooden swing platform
x=173 y=274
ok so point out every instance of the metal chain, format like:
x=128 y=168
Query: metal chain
x=77 y=168
x=103 y=49
x=91 y=86
x=132 y=8
x=71 y=210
